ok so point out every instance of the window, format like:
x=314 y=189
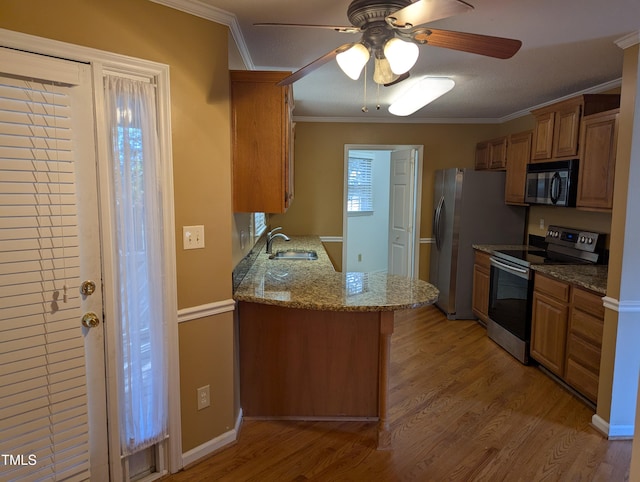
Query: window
x=258 y=224
x=143 y=392
x=360 y=192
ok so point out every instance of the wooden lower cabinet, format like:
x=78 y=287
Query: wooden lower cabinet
x=481 y=277
x=566 y=333
x=586 y=323
x=549 y=328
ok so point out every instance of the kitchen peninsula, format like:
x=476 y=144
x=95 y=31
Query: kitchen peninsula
x=315 y=343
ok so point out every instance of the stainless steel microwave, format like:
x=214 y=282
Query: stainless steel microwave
x=552 y=183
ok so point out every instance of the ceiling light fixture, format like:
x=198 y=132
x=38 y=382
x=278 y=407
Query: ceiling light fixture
x=402 y=55
x=421 y=93
x=353 y=60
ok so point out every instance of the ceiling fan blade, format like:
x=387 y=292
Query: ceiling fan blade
x=319 y=62
x=425 y=11
x=498 y=47
x=337 y=28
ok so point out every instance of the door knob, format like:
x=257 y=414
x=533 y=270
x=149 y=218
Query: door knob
x=90 y=320
x=87 y=287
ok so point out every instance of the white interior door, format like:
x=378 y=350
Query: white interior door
x=52 y=380
x=401 y=212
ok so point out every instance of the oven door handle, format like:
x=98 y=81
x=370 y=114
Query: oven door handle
x=521 y=272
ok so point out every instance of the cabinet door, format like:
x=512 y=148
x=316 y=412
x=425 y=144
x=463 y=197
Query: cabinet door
x=260 y=142
x=480 y=300
x=549 y=332
x=483 y=155
x=566 y=131
x=518 y=155
x=597 y=166
x=543 y=137
x=498 y=153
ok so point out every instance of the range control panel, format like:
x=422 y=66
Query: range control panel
x=572 y=238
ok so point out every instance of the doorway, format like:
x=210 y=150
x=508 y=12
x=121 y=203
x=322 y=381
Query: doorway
x=381 y=208
x=54 y=154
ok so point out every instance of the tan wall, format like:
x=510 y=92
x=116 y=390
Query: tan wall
x=319 y=151
x=196 y=51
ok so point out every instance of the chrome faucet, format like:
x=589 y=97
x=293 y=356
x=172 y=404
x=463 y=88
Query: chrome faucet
x=271 y=236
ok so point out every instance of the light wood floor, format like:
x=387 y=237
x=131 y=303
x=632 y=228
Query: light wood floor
x=461 y=409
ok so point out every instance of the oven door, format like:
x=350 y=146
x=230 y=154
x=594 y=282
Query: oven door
x=511 y=289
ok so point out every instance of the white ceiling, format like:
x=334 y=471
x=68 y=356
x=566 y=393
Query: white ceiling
x=568 y=47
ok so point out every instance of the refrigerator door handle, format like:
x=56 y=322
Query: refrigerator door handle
x=437 y=215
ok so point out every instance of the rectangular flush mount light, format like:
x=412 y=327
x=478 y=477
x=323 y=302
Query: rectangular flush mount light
x=421 y=93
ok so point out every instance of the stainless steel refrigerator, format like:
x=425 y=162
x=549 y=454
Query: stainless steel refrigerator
x=469 y=209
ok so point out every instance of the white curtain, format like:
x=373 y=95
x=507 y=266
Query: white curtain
x=137 y=195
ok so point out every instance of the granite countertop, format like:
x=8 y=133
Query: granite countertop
x=589 y=276
x=315 y=285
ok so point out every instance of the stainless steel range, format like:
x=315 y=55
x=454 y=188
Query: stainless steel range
x=511 y=282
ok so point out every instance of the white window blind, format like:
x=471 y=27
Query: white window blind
x=259 y=224
x=43 y=401
x=359 y=183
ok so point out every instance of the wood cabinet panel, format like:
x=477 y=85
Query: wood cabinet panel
x=543 y=137
x=518 y=156
x=598 y=159
x=557 y=133
x=498 y=156
x=549 y=332
x=480 y=299
x=261 y=142
x=305 y=363
x=483 y=156
x=582 y=379
x=566 y=130
x=552 y=287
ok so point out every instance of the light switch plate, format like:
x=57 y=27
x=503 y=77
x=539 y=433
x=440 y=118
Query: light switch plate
x=193 y=237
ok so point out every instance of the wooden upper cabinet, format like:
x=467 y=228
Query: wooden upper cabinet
x=491 y=154
x=543 y=136
x=498 y=156
x=483 y=155
x=262 y=141
x=598 y=159
x=518 y=155
x=557 y=127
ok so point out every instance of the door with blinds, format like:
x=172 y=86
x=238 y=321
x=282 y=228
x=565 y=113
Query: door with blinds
x=52 y=376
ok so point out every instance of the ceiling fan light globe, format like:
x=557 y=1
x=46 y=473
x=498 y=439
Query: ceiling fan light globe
x=402 y=55
x=421 y=93
x=353 y=60
x=382 y=73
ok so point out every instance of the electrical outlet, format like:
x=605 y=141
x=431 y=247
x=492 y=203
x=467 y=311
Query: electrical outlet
x=204 y=399
x=193 y=237
x=541 y=223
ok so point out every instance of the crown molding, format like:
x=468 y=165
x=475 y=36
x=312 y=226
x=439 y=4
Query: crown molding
x=214 y=14
x=628 y=40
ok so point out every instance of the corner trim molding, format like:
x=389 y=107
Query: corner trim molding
x=202 y=311
x=621 y=306
x=612 y=432
x=214 y=14
x=628 y=40
x=331 y=239
x=201 y=451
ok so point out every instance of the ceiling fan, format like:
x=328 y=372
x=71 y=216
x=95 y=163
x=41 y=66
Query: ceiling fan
x=391 y=32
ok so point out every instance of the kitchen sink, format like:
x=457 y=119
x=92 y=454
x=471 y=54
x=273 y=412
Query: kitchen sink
x=306 y=254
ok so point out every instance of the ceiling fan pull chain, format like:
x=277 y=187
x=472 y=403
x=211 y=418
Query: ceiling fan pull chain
x=364 y=103
x=378 y=98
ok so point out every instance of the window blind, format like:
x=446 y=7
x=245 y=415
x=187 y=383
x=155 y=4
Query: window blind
x=43 y=400
x=360 y=189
